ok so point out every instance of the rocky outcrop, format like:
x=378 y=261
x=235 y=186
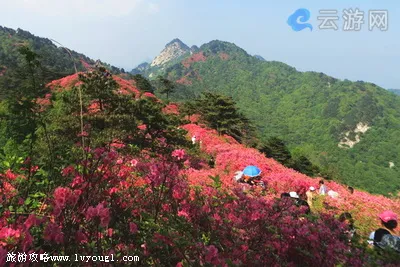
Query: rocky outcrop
x=347 y=141
x=172 y=50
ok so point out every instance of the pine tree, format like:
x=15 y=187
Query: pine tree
x=143 y=84
x=275 y=148
x=166 y=86
x=220 y=113
x=99 y=85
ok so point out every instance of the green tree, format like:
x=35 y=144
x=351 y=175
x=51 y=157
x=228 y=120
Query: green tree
x=220 y=113
x=142 y=83
x=99 y=86
x=276 y=148
x=188 y=108
x=110 y=116
x=21 y=88
x=166 y=86
x=304 y=165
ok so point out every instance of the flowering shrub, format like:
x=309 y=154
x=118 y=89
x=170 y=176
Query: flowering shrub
x=223 y=56
x=194 y=58
x=86 y=65
x=184 y=80
x=231 y=157
x=115 y=204
x=171 y=108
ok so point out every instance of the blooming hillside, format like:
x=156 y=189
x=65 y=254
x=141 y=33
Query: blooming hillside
x=133 y=184
x=68 y=82
x=232 y=156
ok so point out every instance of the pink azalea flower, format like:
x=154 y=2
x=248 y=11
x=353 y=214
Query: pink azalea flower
x=99 y=212
x=133 y=228
x=179 y=154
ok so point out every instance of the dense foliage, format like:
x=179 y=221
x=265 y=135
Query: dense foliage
x=220 y=113
x=276 y=148
x=143 y=84
x=310 y=111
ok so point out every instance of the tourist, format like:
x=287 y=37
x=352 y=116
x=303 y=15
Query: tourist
x=351 y=189
x=385 y=237
x=322 y=188
x=310 y=194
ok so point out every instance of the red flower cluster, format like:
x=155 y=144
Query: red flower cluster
x=86 y=65
x=184 y=80
x=171 y=108
x=224 y=56
x=194 y=58
x=99 y=212
x=179 y=154
x=232 y=157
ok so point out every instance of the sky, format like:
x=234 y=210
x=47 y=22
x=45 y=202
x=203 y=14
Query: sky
x=126 y=33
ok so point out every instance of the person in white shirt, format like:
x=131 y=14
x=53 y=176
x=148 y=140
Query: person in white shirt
x=322 y=188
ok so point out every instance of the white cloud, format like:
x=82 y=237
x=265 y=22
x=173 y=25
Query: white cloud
x=91 y=8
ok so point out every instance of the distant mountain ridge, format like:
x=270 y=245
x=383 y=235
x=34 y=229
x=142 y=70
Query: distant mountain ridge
x=396 y=91
x=346 y=128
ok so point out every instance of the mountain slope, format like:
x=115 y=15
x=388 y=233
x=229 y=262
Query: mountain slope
x=56 y=60
x=347 y=128
x=232 y=156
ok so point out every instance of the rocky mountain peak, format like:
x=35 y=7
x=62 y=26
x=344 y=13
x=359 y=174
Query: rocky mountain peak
x=172 y=50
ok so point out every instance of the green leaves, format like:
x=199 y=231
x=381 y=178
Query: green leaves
x=220 y=113
x=217 y=181
x=165 y=86
x=143 y=84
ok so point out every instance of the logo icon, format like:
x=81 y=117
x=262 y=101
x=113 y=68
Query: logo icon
x=298 y=20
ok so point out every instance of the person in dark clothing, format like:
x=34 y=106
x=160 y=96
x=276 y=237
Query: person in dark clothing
x=211 y=162
x=385 y=237
x=351 y=189
x=302 y=203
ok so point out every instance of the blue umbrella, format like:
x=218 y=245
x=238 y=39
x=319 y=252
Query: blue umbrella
x=252 y=171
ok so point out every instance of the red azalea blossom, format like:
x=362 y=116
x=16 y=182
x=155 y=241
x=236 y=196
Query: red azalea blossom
x=133 y=228
x=67 y=171
x=179 y=154
x=10 y=175
x=53 y=233
x=9 y=236
x=100 y=212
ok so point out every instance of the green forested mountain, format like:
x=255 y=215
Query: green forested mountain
x=349 y=129
x=55 y=60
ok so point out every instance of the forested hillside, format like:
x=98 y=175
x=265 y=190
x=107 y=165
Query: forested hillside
x=56 y=62
x=348 y=129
